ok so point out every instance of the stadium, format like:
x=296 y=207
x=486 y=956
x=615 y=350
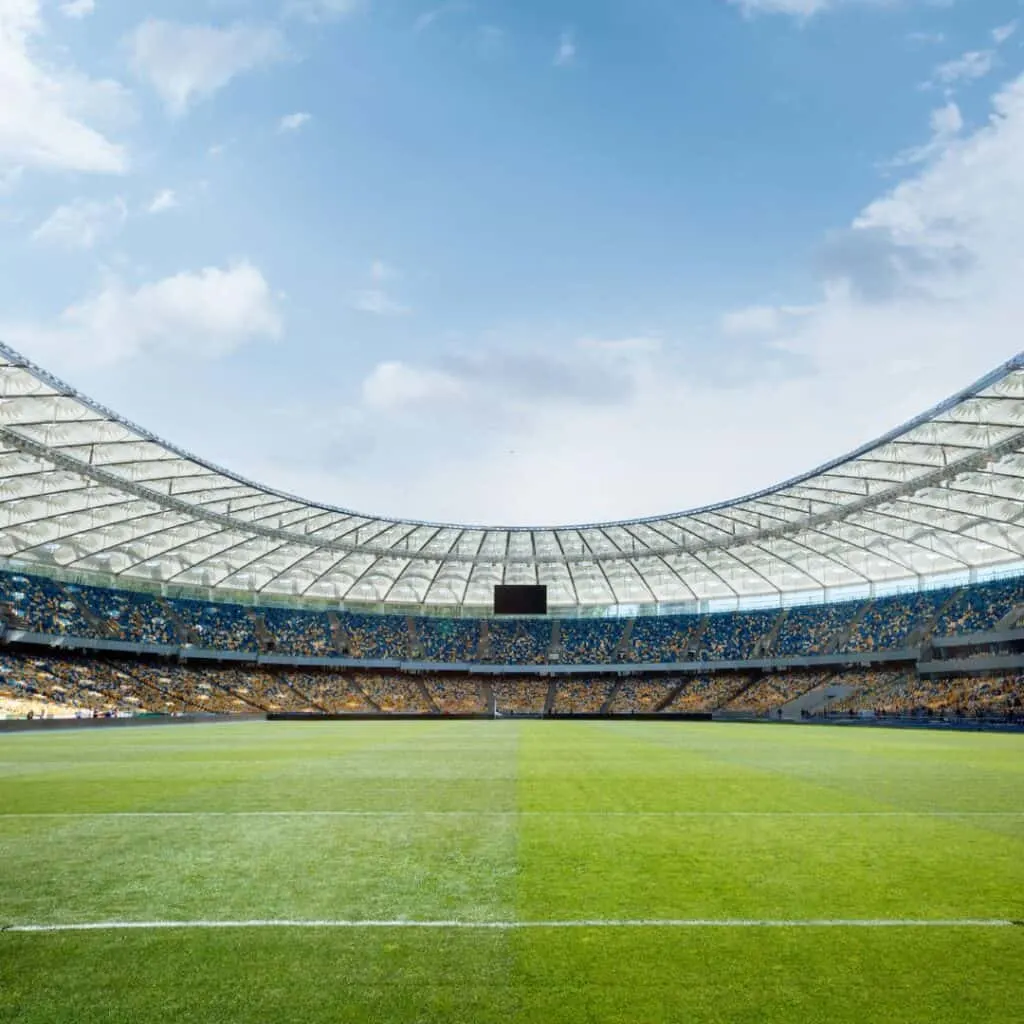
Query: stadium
x=258 y=743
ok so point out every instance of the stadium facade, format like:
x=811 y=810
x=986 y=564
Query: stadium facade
x=90 y=497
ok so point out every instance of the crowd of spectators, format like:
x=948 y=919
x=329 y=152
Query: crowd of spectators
x=520 y=697
x=519 y=641
x=581 y=696
x=457 y=696
x=734 y=636
x=392 y=693
x=641 y=695
x=979 y=608
x=705 y=693
x=224 y=627
x=301 y=634
x=589 y=641
x=69 y=685
x=330 y=691
x=813 y=629
x=772 y=691
x=377 y=637
x=889 y=622
x=79 y=685
x=658 y=639
x=128 y=615
x=901 y=693
x=42 y=605
x=448 y=640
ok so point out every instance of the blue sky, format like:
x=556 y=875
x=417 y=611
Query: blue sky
x=513 y=262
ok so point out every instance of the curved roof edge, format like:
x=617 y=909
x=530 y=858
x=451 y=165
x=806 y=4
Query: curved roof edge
x=1014 y=364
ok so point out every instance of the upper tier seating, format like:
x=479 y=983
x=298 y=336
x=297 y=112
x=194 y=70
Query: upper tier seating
x=39 y=604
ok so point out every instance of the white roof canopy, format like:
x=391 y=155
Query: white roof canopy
x=86 y=491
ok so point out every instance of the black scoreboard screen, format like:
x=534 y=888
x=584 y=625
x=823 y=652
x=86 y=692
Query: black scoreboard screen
x=520 y=600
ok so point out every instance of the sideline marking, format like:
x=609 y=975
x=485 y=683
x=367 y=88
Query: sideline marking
x=507 y=814
x=100 y=926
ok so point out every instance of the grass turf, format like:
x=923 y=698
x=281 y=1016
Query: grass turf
x=511 y=821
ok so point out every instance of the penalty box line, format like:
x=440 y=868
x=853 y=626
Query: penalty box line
x=681 y=923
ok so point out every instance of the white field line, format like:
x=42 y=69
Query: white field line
x=678 y=923
x=510 y=814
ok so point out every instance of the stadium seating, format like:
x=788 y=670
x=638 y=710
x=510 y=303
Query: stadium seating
x=457 y=696
x=390 y=693
x=519 y=641
x=303 y=634
x=814 y=629
x=448 y=640
x=581 y=697
x=635 y=696
x=658 y=640
x=771 y=692
x=515 y=697
x=979 y=608
x=890 y=622
x=589 y=641
x=707 y=692
x=377 y=637
x=732 y=637
x=226 y=627
x=41 y=605
x=70 y=685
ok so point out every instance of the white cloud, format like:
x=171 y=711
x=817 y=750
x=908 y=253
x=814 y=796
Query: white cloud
x=77 y=9
x=967 y=68
x=10 y=179
x=930 y=38
x=165 y=199
x=798 y=8
x=1004 y=32
x=754 y=320
x=82 y=223
x=434 y=14
x=321 y=10
x=45 y=110
x=206 y=314
x=392 y=385
x=375 y=299
x=381 y=271
x=293 y=122
x=566 y=52
x=189 y=63
x=946 y=123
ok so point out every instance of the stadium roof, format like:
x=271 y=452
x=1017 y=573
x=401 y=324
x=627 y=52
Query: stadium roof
x=86 y=491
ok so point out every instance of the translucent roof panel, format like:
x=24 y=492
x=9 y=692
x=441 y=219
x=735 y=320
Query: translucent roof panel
x=85 y=491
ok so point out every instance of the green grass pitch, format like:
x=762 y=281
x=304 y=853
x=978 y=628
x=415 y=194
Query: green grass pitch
x=512 y=822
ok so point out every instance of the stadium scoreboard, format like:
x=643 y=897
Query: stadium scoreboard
x=520 y=600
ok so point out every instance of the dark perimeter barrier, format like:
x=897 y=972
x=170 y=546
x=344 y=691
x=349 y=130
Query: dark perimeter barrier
x=64 y=724
x=370 y=716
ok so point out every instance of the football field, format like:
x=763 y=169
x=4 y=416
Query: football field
x=526 y=871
